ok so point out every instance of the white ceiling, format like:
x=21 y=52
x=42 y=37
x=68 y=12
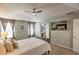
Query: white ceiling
x=16 y=10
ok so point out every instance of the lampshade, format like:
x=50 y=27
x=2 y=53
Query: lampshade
x=34 y=14
x=4 y=34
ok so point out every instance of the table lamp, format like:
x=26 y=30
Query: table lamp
x=4 y=35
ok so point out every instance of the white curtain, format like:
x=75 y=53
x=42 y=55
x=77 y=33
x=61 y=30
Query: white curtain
x=31 y=27
x=37 y=30
x=9 y=30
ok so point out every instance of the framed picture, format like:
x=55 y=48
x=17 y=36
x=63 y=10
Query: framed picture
x=59 y=25
x=22 y=27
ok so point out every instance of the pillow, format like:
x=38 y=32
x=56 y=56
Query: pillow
x=15 y=43
x=1 y=41
x=2 y=49
x=8 y=46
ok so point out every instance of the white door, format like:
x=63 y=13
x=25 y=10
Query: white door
x=76 y=35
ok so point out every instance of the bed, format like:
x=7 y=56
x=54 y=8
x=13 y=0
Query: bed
x=31 y=46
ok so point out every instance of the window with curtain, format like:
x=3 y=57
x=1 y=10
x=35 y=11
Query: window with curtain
x=9 y=30
x=31 y=31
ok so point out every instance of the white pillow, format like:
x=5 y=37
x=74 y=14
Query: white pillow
x=1 y=41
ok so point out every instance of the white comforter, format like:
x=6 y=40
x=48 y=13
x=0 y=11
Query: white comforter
x=31 y=46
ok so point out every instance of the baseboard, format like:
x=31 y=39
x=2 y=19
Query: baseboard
x=61 y=45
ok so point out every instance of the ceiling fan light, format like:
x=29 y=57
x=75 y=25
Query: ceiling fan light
x=34 y=14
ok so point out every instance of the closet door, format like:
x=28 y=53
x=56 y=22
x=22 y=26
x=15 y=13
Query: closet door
x=76 y=35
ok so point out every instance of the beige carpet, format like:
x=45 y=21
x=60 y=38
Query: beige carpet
x=57 y=50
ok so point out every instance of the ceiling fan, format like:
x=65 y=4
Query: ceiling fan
x=34 y=12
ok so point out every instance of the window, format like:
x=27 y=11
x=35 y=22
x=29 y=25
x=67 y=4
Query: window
x=31 y=29
x=9 y=30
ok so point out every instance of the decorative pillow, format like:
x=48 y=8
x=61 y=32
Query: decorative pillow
x=2 y=49
x=8 y=46
x=15 y=43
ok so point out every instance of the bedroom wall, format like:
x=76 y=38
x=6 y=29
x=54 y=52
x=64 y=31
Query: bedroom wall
x=64 y=38
x=21 y=34
x=61 y=37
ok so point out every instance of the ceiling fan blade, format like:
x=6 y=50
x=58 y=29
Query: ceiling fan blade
x=39 y=11
x=28 y=11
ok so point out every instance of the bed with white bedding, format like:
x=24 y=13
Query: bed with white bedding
x=31 y=46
